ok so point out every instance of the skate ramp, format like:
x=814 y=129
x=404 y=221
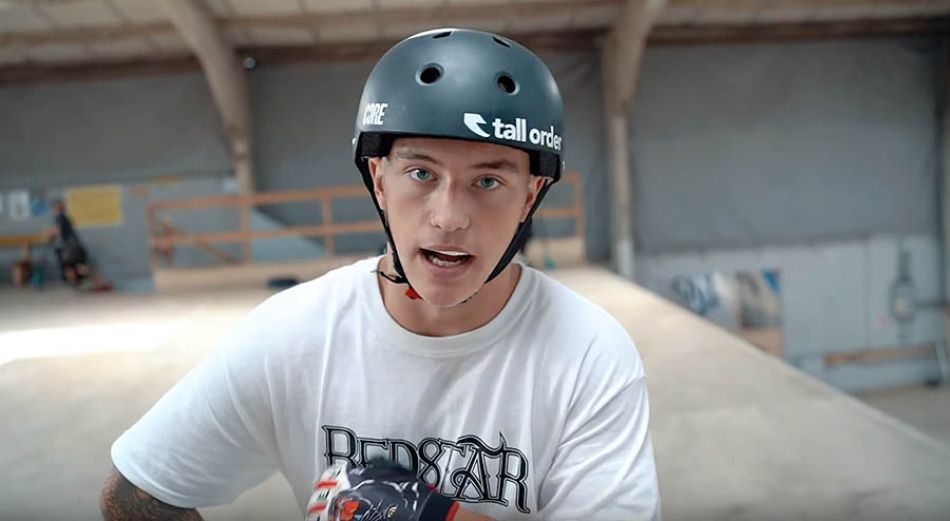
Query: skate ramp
x=738 y=434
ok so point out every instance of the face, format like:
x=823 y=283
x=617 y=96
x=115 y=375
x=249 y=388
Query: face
x=453 y=207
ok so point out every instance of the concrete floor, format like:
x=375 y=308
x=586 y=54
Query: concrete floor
x=738 y=434
x=926 y=408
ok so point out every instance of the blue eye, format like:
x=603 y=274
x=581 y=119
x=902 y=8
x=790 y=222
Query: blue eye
x=488 y=183
x=420 y=175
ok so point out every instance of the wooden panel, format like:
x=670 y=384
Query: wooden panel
x=880 y=355
x=17 y=241
x=161 y=241
x=242 y=236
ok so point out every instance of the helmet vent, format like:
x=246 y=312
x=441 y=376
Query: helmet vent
x=430 y=74
x=442 y=34
x=507 y=84
x=501 y=42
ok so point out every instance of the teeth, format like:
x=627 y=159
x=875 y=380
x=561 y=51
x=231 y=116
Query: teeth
x=452 y=253
x=443 y=263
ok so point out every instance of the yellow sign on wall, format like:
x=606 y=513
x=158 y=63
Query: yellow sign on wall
x=95 y=206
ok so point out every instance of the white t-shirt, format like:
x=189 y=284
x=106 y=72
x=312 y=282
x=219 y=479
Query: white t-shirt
x=540 y=414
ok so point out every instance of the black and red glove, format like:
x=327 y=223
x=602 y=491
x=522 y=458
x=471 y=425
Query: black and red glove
x=387 y=491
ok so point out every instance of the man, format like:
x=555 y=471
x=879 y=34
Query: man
x=505 y=394
x=73 y=259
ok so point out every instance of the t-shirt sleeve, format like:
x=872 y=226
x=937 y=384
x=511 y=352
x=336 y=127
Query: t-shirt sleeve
x=604 y=467
x=210 y=437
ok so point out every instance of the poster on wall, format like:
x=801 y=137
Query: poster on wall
x=39 y=203
x=18 y=205
x=745 y=302
x=95 y=206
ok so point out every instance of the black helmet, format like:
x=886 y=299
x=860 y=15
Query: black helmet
x=462 y=84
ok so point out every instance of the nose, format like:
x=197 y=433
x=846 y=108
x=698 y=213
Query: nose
x=447 y=209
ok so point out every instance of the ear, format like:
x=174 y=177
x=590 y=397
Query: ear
x=376 y=172
x=535 y=185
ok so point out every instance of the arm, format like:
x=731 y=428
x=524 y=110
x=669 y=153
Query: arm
x=123 y=501
x=210 y=437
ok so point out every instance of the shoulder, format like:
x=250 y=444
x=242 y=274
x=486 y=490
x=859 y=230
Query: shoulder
x=301 y=313
x=593 y=337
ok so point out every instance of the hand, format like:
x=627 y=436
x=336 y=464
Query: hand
x=328 y=487
x=386 y=491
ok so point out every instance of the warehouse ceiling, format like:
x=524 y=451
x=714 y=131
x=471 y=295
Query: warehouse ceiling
x=38 y=35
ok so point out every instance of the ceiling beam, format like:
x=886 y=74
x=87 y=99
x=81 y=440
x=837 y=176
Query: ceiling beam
x=264 y=56
x=543 y=41
x=577 y=40
x=782 y=32
x=437 y=15
x=443 y=15
x=126 y=68
x=629 y=38
x=803 y=4
x=87 y=34
x=459 y=13
x=226 y=78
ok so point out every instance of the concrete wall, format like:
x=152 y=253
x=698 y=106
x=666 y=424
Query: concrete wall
x=816 y=159
x=750 y=145
x=75 y=133
x=834 y=297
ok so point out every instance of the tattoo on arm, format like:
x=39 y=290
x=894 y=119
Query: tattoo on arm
x=123 y=501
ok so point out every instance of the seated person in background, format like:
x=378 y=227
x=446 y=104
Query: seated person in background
x=73 y=259
x=23 y=269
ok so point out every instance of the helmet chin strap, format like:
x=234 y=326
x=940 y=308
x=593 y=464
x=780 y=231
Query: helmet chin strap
x=412 y=294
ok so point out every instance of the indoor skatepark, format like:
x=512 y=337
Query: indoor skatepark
x=792 y=324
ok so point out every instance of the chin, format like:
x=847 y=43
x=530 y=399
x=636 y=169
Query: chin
x=441 y=298
x=445 y=292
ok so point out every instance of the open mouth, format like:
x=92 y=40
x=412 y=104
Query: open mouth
x=447 y=259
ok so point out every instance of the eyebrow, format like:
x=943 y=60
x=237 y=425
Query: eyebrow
x=497 y=164
x=412 y=155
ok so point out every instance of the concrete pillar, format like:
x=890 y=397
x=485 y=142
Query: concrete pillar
x=943 y=174
x=622 y=55
x=621 y=192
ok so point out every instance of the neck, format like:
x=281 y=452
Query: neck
x=425 y=319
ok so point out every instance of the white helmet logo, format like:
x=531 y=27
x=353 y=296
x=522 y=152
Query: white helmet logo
x=516 y=131
x=474 y=123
